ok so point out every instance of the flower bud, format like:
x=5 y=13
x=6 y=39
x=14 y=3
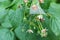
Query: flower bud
x=36 y=9
x=42 y=1
x=25 y=1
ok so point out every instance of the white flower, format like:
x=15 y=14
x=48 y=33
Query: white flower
x=43 y=30
x=30 y=31
x=40 y=16
x=44 y=33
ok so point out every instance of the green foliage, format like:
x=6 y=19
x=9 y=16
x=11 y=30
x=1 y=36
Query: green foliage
x=4 y=3
x=16 y=22
x=54 y=10
x=6 y=34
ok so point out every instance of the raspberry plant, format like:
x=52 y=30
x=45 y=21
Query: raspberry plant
x=29 y=20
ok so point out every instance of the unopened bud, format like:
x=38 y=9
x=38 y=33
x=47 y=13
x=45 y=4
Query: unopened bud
x=34 y=7
x=42 y=1
x=25 y=1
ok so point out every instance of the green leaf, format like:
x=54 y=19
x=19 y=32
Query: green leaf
x=46 y=5
x=21 y=32
x=4 y=3
x=54 y=10
x=21 y=1
x=5 y=34
x=6 y=25
x=31 y=36
x=3 y=13
x=12 y=3
x=53 y=0
x=18 y=4
x=16 y=17
x=3 y=0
